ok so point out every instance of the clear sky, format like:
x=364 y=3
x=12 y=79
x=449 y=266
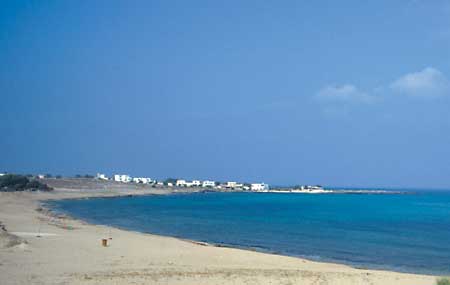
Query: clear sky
x=349 y=93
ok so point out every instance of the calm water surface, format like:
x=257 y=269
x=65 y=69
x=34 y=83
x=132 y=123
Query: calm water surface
x=408 y=233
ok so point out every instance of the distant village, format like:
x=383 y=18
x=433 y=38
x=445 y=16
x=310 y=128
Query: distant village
x=178 y=183
x=230 y=185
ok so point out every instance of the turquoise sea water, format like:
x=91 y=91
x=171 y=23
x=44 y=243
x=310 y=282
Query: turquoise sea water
x=408 y=233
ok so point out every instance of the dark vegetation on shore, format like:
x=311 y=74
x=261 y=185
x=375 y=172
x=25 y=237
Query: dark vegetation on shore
x=14 y=182
x=443 y=281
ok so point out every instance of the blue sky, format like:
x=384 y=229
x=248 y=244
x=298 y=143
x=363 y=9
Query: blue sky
x=348 y=93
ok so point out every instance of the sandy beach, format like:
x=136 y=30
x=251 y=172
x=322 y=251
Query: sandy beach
x=69 y=251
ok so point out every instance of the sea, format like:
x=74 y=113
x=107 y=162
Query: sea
x=400 y=232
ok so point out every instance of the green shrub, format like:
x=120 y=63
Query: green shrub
x=443 y=281
x=12 y=182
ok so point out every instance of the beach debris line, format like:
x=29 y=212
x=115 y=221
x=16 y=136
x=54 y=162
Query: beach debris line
x=8 y=239
x=34 y=234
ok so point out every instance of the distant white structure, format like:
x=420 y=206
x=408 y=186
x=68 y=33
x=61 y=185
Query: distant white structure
x=122 y=178
x=193 y=183
x=310 y=187
x=170 y=184
x=40 y=176
x=1 y=174
x=233 y=185
x=159 y=183
x=101 y=176
x=259 y=187
x=208 y=183
x=142 y=180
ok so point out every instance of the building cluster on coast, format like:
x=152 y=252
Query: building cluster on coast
x=184 y=183
x=208 y=184
x=215 y=185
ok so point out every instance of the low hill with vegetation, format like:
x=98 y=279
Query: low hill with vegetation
x=13 y=182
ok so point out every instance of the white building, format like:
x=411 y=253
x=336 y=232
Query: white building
x=101 y=176
x=208 y=183
x=181 y=183
x=1 y=174
x=142 y=180
x=233 y=185
x=309 y=187
x=122 y=178
x=196 y=183
x=259 y=187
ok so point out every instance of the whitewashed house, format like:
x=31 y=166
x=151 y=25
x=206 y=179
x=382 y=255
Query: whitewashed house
x=142 y=180
x=122 y=178
x=259 y=187
x=181 y=183
x=196 y=183
x=101 y=176
x=231 y=184
x=208 y=183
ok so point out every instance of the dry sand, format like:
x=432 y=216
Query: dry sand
x=70 y=252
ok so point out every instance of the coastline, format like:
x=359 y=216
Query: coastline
x=147 y=258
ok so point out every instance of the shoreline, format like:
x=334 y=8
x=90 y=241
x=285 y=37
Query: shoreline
x=228 y=260
x=257 y=249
